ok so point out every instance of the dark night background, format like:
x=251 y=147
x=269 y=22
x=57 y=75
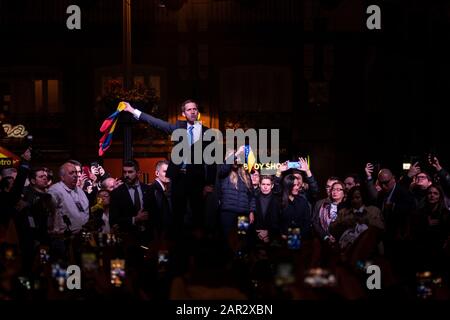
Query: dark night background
x=339 y=92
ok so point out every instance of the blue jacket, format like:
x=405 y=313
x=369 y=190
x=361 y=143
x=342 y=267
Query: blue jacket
x=240 y=200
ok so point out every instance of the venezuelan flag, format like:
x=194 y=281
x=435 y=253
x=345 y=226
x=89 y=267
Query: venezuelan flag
x=108 y=127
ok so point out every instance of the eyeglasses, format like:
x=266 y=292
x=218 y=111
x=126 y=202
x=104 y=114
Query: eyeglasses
x=421 y=177
x=384 y=182
x=339 y=189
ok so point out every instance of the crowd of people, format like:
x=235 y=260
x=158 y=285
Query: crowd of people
x=222 y=232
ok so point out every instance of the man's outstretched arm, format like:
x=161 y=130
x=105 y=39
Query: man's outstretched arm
x=154 y=122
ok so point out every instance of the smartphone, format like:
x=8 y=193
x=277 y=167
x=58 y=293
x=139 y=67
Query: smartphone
x=163 y=260
x=284 y=274
x=86 y=171
x=89 y=261
x=294 y=240
x=25 y=282
x=163 y=256
x=294 y=165
x=60 y=275
x=117 y=272
x=319 y=278
x=243 y=224
x=44 y=257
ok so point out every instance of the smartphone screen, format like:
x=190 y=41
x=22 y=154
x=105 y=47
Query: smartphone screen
x=60 y=275
x=243 y=224
x=117 y=272
x=293 y=165
x=89 y=261
x=293 y=241
x=284 y=274
x=86 y=170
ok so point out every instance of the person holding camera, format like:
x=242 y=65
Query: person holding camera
x=309 y=188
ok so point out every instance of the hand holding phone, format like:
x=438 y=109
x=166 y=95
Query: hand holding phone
x=86 y=171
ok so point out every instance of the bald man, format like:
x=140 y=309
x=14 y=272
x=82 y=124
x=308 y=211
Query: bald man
x=71 y=203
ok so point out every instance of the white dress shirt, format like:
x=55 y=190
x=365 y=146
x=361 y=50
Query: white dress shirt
x=65 y=201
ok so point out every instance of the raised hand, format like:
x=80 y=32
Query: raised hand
x=369 y=170
x=284 y=166
x=415 y=169
x=434 y=162
x=128 y=108
x=304 y=166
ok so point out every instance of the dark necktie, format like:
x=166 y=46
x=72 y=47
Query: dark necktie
x=191 y=141
x=137 y=200
x=191 y=135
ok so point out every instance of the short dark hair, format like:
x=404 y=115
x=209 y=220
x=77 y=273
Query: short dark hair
x=355 y=177
x=266 y=177
x=333 y=178
x=131 y=163
x=183 y=105
x=362 y=191
x=33 y=172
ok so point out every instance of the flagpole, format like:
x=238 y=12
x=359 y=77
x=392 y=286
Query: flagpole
x=127 y=118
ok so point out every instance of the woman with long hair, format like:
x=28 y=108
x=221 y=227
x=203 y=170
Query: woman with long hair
x=296 y=211
x=237 y=197
x=432 y=231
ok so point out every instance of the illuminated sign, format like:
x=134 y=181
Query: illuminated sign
x=17 y=131
x=7 y=158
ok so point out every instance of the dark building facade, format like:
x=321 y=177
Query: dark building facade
x=338 y=92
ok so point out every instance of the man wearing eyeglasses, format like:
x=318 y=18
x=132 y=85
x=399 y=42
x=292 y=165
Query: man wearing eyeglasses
x=397 y=205
x=417 y=181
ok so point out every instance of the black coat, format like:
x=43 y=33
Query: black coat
x=122 y=208
x=202 y=173
x=160 y=207
x=271 y=220
x=398 y=214
x=297 y=214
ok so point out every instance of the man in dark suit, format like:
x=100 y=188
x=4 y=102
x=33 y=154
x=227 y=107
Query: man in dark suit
x=267 y=224
x=397 y=205
x=130 y=203
x=161 y=208
x=189 y=180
